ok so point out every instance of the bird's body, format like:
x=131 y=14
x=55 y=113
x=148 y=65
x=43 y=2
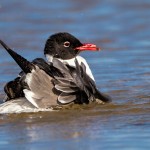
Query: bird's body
x=63 y=80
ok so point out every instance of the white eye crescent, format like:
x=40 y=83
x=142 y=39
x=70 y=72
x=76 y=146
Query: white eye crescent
x=66 y=44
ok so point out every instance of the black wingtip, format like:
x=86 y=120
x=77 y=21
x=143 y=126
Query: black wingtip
x=105 y=98
x=24 y=64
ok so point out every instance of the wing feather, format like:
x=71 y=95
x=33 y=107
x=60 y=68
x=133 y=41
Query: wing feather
x=40 y=89
x=66 y=89
x=65 y=98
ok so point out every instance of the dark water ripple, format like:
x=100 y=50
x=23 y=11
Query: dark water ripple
x=121 y=69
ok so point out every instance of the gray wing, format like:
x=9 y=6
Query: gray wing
x=40 y=92
x=72 y=86
x=76 y=85
x=90 y=86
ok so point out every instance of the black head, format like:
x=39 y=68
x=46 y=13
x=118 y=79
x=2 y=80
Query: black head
x=62 y=45
x=65 y=46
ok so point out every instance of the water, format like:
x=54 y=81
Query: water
x=122 y=70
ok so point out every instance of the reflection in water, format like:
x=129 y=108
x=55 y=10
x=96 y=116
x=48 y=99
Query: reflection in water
x=121 y=29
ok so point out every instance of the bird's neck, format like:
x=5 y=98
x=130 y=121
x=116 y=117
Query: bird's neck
x=71 y=62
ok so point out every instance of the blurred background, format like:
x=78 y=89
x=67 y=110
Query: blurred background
x=121 y=69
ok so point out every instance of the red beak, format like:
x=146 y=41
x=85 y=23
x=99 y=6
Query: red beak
x=88 y=46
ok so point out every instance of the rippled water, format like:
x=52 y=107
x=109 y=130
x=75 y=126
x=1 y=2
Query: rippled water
x=122 y=69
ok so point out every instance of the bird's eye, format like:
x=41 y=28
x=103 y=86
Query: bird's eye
x=66 y=44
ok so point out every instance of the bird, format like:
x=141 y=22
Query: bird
x=64 y=79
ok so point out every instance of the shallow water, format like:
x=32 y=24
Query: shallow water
x=122 y=70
